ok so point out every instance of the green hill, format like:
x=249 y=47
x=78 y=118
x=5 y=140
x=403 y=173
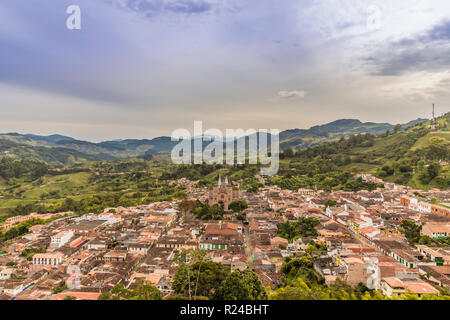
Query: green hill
x=298 y=138
x=55 y=156
x=414 y=156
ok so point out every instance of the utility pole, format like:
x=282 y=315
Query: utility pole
x=433 y=121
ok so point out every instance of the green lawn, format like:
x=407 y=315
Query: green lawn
x=425 y=141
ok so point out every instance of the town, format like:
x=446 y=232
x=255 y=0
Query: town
x=362 y=238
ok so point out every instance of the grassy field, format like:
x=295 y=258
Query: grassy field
x=124 y=178
x=425 y=141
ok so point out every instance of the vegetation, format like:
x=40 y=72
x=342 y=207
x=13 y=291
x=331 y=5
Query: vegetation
x=241 y=285
x=143 y=290
x=30 y=252
x=409 y=157
x=60 y=288
x=19 y=229
x=238 y=205
x=412 y=233
x=198 y=278
x=330 y=203
x=303 y=227
x=206 y=212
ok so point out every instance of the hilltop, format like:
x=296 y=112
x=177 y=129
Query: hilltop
x=59 y=149
x=414 y=156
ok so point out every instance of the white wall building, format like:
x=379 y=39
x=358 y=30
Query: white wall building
x=48 y=259
x=61 y=238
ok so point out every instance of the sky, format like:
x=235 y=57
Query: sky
x=143 y=68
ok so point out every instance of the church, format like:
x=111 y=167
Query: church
x=223 y=191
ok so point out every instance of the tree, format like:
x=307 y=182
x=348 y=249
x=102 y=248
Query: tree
x=60 y=288
x=433 y=170
x=398 y=128
x=411 y=231
x=206 y=212
x=186 y=206
x=241 y=285
x=296 y=264
x=144 y=290
x=238 y=205
x=199 y=279
x=117 y=292
x=438 y=149
x=330 y=203
x=303 y=227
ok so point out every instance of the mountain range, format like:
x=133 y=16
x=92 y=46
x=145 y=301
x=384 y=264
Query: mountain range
x=61 y=149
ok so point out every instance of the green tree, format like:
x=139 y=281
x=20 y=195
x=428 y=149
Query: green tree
x=433 y=170
x=303 y=227
x=241 y=285
x=238 y=205
x=144 y=290
x=411 y=231
x=199 y=279
x=60 y=288
x=330 y=203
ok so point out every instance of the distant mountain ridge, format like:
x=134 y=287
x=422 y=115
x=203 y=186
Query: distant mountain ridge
x=107 y=150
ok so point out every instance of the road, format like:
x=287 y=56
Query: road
x=248 y=247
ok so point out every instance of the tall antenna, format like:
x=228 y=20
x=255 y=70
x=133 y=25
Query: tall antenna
x=433 y=121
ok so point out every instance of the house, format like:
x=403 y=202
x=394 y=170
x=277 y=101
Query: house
x=12 y=287
x=438 y=275
x=436 y=230
x=375 y=196
x=356 y=224
x=110 y=218
x=97 y=244
x=362 y=270
x=279 y=242
x=61 y=238
x=221 y=235
x=48 y=259
x=393 y=286
x=238 y=264
x=78 y=295
x=439 y=255
x=138 y=248
x=6 y=273
x=369 y=232
x=115 y=256
x=399 y=251
x=87 y=226
x=176 y=243
x=440 y=210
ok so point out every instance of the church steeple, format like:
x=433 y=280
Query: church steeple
x=220 y=181
x=226 y=180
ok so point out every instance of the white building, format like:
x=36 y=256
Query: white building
x=110 y=218
x=48 y=259
x=61 y=238
x=13 y=288
x=6 y=273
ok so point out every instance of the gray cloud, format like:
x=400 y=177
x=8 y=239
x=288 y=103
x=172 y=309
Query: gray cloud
x=150 y=8
x=294 y=94
x=427 y=51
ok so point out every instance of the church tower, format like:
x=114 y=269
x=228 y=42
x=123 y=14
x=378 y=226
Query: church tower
x=223 y=192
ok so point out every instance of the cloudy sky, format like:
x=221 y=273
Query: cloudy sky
x=142 y=68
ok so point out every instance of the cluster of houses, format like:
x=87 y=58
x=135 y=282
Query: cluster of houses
x=83 y=257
